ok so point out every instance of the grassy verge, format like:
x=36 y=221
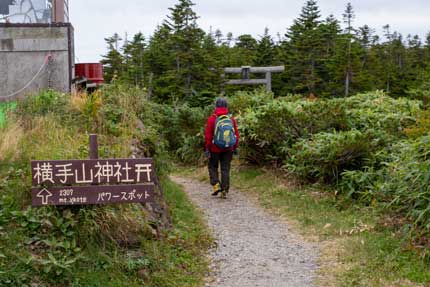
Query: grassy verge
x=178 y=259
x=356 y=248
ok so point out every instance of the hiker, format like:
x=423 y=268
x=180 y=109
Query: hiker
x=221 y=141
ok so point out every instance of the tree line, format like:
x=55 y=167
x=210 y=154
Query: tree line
x=323 y=57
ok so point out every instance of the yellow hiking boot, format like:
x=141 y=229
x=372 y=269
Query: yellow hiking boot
x=216 y=189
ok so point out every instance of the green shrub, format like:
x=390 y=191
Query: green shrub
x=421 y=127
x=406 y=181
x=242 y=101
x=45 y=102
x=121 y=107
x=400 y=183
x=326 y=155
x=360 y=184
x=269 y=130
x=183 y=128
x=378 y=111
x=203 y=99
x=191 y=150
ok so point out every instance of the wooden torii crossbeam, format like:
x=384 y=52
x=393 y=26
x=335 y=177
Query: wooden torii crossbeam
x=245 y=72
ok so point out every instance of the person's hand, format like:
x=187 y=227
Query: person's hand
x=207 y=154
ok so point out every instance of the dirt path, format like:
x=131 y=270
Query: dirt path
x=254 y=248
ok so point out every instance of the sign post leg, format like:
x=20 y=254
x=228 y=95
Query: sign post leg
x=94 y=147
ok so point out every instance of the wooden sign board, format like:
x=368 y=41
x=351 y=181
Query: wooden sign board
x=94 y=181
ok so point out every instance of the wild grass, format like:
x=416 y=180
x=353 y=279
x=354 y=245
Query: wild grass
x=10 y=136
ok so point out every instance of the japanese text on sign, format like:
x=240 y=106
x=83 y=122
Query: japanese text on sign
x=109 y=171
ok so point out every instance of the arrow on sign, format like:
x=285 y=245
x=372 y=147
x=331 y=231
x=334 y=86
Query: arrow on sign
x=44 y=194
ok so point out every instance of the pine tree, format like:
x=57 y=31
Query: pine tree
x=113 y=61
x=185 y=44
x=303 y=49
x=246 y=47
x=344 y=66
x=160 y=62
x=367 y=40
x=247 y=42
x=182 y=61
x=218 y=36
x=330 y=31
x=208 y=74
x=392 y=66
x=134 y=60
x=243 y=53
x=348 y=18
x=265 y=50
x=229 y=38
x=226 y=54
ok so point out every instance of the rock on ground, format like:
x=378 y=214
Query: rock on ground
x=254 y=248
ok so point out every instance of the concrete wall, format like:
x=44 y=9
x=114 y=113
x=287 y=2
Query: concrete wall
x=23 y=51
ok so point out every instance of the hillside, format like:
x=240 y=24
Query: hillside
x=110 y=245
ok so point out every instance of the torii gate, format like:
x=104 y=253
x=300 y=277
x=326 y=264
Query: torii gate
x=245 y=71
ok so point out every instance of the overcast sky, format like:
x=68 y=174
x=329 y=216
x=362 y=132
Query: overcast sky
x=95 y=20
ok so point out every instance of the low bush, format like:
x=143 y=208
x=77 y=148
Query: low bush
x=378 y=111
x=183 y=128
x=191 y=150
x=400 y=184
x=243 y=101
x=269 y=130
x=405 y=181
x=421 y=127
x=44 y=103
x=270 y=126
x=327 y=155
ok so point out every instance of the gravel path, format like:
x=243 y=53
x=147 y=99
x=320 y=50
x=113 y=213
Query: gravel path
x=253 y=248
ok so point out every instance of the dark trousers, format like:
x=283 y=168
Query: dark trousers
x=223 y=159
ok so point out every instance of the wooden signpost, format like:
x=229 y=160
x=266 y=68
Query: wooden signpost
x=93 y=181
x=246 y=71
